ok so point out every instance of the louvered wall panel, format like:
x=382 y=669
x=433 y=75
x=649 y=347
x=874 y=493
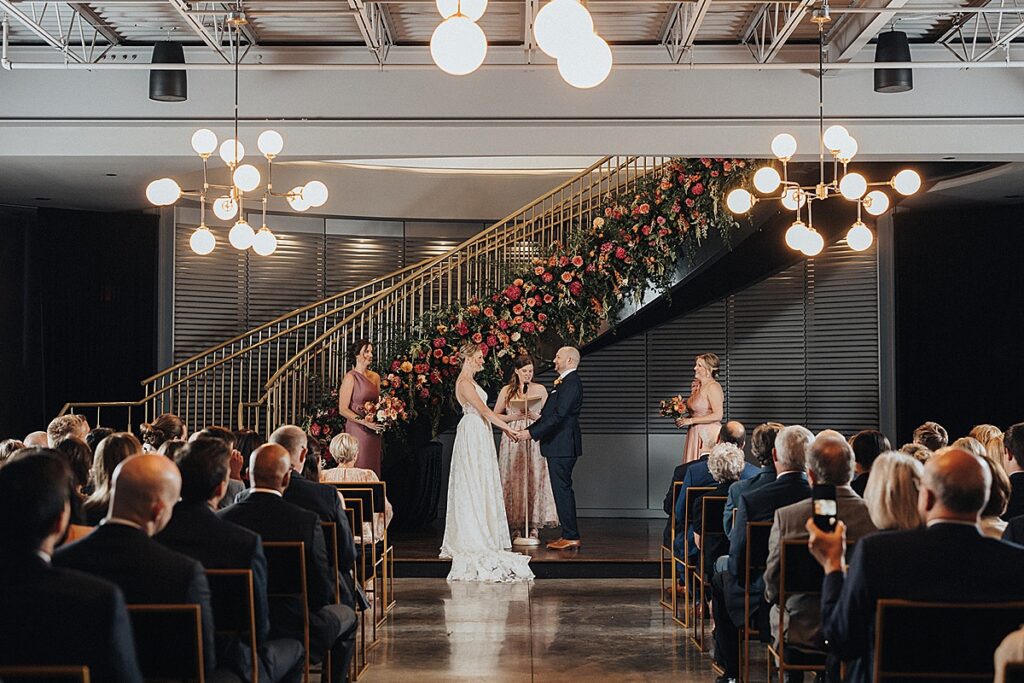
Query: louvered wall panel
x=291 y=277
x=351 y=261
x=615 y=385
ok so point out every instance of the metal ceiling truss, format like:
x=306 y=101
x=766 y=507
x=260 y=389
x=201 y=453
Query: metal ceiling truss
x=682 y=27
x=771 y=25
x=207 y=21
x=989 y=34
x=81 y=37
x=854 y=31
x=373 y=26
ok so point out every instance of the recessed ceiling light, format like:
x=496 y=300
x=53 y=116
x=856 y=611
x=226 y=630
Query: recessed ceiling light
x=111 y=175
x=948 y=158
x=41 y=199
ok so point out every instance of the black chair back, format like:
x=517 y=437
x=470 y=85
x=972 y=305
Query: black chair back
x=168 y=641
x=941 y=641
x=45 y=674
x=713 y=515
x=799 y=572
x=232 y=598
x=756 y=560
x=1014 y=673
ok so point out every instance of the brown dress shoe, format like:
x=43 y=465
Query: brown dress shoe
x=564 y=544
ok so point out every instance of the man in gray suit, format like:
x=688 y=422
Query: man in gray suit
x=829 y=461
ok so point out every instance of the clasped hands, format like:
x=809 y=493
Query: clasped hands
x=518 y=435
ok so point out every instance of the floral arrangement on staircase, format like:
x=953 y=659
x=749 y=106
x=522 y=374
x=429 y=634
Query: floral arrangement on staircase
x=631 y=246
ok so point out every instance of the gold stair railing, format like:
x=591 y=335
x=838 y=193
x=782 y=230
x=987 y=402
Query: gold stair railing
x=476 y=268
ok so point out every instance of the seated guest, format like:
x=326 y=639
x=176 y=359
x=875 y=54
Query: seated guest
x=169 y=449
x=991 y=522
x=236 y=462
x=111 y=452
x=762 y=447
x=982 y=433
x=247 y=441
x=726 y=463
x=164 y=428
x=932 y=436
x=929 y=564
x=37 y=440
x=344 y=450
x=830 y=460
x=971 y=445
x=264 y=510
x=143 y=492
x=313 y=467
x=78 y=456
x=196 y=530
x=97 y=434
x=64 y=426
x=54 y=616
x=1013 y=456
x=7 y=449
x=891 y=497
x=759 y=505
x=867 y=445
x=916 y=451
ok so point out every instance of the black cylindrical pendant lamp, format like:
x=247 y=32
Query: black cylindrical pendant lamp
x=167 y=85
x=893 y=46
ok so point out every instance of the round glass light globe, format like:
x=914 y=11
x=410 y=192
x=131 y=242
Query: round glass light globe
x=471 y=9
x=907 y=182
x=163 y=192
x=784 y=146
x=204 y=141
x=813 y=243
x=739 y=200
x=315 y=193
x=794 y=198
x=231 y=151
x=264 y=243
x=559 y=25
x=225 y=208
x=834 y=137
x=848 y=150
x=587 y=65
x=241 y=235
x=246 y=177
x=767 y=180
x=876 y=202
x=202 y=241
x=859 y=237
x=458 y=46
x=270 y=143
x=796 y=235
x=853 y=186
x=296 y=199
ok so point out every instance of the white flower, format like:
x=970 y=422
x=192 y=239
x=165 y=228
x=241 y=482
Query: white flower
x=516 y=336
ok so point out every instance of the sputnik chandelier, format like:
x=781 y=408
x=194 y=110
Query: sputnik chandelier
x=245 y=180
x=850 y=185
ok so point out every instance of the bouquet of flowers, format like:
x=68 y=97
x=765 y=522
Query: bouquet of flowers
x=674 y=407
x=387 y=411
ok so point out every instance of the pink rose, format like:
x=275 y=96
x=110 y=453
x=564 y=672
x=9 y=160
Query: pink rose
x=620 y=253
x=575 y=287
x=698 y=188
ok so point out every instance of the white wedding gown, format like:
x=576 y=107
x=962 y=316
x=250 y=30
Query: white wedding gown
x=476 y=529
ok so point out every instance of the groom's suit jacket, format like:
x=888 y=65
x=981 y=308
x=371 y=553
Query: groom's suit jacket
x=558 y=428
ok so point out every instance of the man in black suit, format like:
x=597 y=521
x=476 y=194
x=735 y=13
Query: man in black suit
x=236 y=461
x=265 y=511
x=322 y=499
x=196 y=530
x=759 y=505
x=558 y=431
x=144 y=490
x=867 y=446
x=1013 y=443
x=948 y=560
x=762 y=447
x=54 y=616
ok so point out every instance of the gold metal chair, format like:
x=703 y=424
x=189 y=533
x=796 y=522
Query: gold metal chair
x=799 y=573
x=712 y=509
x=233 y=602
x=689 y=569
x=384 y=553
x=47 y=674
x=286 y=580
x=755 y=562
x=169 y=641
x=668 y=556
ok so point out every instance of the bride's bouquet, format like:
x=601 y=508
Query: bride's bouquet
x=674 y=407
x=387 y=411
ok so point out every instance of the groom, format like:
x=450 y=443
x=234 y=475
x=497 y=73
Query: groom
x=558 y=431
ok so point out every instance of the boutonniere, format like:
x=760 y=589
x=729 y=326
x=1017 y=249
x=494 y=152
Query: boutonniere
x=558 y=381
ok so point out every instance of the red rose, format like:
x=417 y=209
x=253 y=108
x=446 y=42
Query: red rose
x=495 y=298
x=440 y=343
x=577 y=261
x=395 y=365
x=576 y=287
x=438 y=353
x=620 y=253
x=425 y=393
x=314 y=429
x=563 y=261
x=518 y=309
x=607 y=247
x=690 y=203
x=698 y=188
x=513 y=292
x=503 y=324
x=327 y=430
x=661 y=220
x=492 y=340
x=462 y=328
x=485 y=349
x=663 y=231
x=548 y=298
x=477 y=338
x=608 y=211
x=548 y=277
x=646 y=230
x=542 y=317
x=529 y=328
x=489 y=312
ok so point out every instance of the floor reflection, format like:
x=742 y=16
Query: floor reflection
x=486 y=625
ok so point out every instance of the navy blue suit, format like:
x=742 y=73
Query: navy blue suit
x=561 y=442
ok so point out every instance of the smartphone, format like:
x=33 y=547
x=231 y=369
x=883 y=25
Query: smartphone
x=823 y=499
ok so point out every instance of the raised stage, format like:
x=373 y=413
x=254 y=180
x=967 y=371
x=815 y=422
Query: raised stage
x=612 y=548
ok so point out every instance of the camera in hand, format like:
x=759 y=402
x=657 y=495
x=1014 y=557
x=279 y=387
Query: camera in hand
x=823 y=500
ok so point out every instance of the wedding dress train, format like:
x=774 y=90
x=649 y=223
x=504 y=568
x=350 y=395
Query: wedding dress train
x=476 y=529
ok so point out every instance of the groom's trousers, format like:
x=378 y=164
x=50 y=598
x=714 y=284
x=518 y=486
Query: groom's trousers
x=560 y=471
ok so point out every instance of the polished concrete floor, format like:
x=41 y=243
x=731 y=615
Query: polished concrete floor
x=547 y=630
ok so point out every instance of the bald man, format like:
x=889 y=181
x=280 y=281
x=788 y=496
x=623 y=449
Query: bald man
x=37 y=440
x=264 y=510
x=144 y=490
x=946 y=560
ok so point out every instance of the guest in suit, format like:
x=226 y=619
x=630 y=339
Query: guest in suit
x=726 y=465
x=932 y=436
x=196 y=530
x=111 y=452
x=728 y=589
x=558 y=431
x=1013 y=447
x=54 y=616
x=948 y=561
x=830 y=461
x=235 y=463
x=762 y=447
x=891 y=496
x=143 y=492
x=867 y=445
x=264 y=510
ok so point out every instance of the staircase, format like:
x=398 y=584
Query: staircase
x=262 y=378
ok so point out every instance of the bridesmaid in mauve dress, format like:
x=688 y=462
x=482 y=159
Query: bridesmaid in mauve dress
x=360 y=385
x=706 y=404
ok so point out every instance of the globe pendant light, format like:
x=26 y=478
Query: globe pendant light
x=458 y=46
x=241 y=235
x=472 y=9
x=587 y=65
x=264 y=243
x=202 y=240
x=168 y=85
x=893 y=46
x=560 y=25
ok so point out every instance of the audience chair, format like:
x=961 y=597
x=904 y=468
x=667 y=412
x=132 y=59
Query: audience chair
x=712 y=510
x=799 y=573
x=376 y=500
x=286 y=580
x=233 y=601
x=756 y=561
x=668 y=555
x=46 y=674
x=1014 y=672
x=169 y=641
x=941 y=641
x=374 y=562
x=365 y=570
x=359 y=660
x=689 y=570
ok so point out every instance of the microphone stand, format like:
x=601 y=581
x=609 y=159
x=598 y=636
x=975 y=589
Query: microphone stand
x=525 y=539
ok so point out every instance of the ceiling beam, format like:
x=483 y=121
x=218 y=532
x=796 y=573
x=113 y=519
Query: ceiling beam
x=795 y=15
x=197 y=27
x=697 y=13
x=854 y=31
x=97 y=22
x=373 y=27
x=59 y=43
x=1001 y=43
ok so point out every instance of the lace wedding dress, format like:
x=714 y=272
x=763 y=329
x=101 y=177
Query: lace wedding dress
x=476 y=529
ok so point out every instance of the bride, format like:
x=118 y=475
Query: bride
x=476 y=529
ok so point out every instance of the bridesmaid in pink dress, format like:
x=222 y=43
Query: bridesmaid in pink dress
x=706 y=405
x=361 y=384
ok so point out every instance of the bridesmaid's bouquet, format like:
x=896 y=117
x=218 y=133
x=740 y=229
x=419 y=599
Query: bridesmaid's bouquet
x=674 y=407
x=387 y=411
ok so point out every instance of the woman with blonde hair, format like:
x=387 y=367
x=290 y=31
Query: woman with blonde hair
x=111 y=452
x=705 y=406
x=891 y=493
x=344 y=449
x=991 y=523
x=985 y=433
x=971 y=445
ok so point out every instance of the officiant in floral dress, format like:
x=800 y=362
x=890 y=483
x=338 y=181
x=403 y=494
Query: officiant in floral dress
x=524 y=471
